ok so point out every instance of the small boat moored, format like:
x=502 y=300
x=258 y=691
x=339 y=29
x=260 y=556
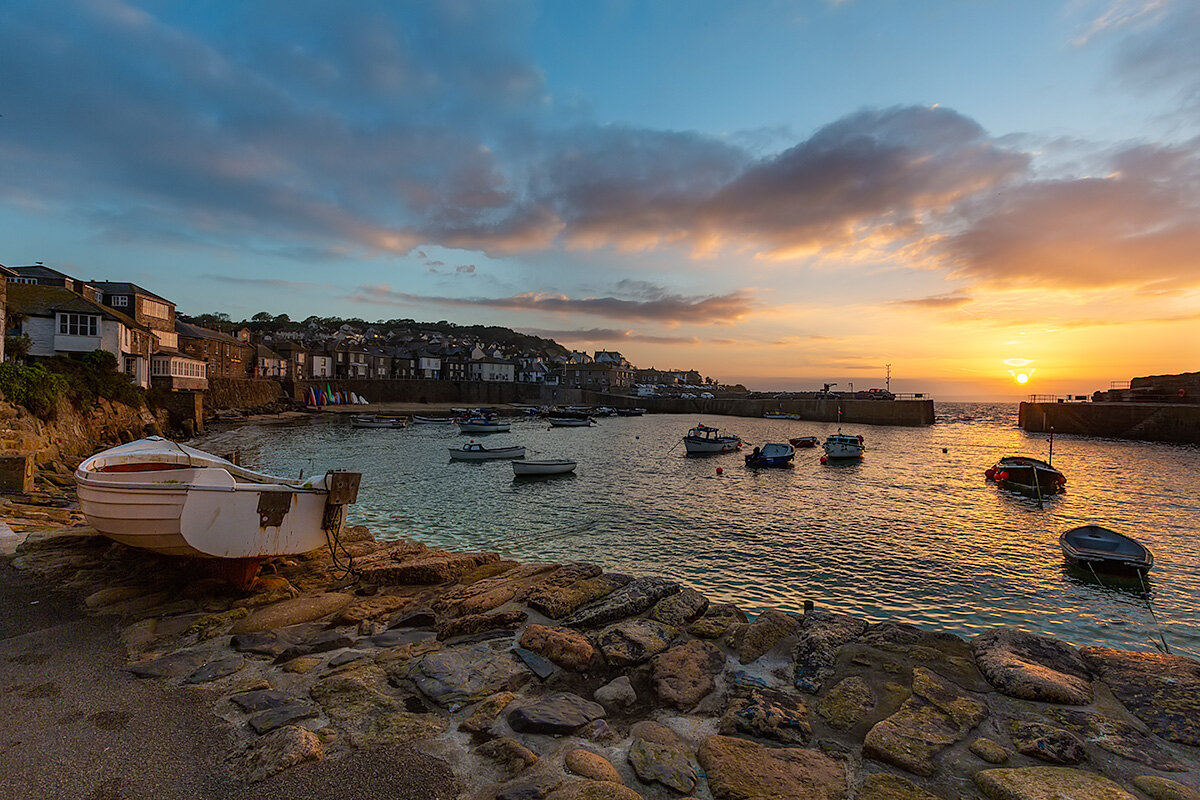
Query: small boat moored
x=549 y=466
x=1102 y=549
x=572 y=422
x=773 y=454
x=1030 y=475
x=473 y=451
x=482 y=425
x=375 y=421
x=843 y=446
x=804 y=441
x=630 y=412
x=162 y=496
x=431 y=420
x=705 y=440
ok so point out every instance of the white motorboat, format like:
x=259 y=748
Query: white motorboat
x=571 y=422
x=704 y=440
x=550 y=466
x=482 y=425
x=843 y=445
x=172 y=499
x=373 y=421
x=474 y=451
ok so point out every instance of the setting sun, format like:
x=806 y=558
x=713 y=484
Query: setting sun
x=1022 y=378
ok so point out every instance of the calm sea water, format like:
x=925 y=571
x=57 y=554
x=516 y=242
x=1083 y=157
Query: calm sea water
x=911 y=533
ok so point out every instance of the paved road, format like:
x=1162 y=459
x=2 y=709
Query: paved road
x=74 y=725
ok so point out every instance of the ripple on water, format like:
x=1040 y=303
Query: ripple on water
x=909 y=533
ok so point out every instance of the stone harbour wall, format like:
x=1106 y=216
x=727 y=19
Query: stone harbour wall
x=73 y=433
x=242 y=393
x=570 y=682
x=422 y=391
x=1156 y=422
x=861 y=412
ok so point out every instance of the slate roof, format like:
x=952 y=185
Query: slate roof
x=43 y=301
x=121 y=287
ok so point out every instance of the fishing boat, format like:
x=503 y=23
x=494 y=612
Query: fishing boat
x=1101 y=549
x=843 y=446
x=473 y=451
x=482 y=425
x=705 y=440
x=1026 y=474
x=571 y=422
x=804 y=441
x=374 y=421
x=158 y=495
x=550 y=466
x=771 y=455
x=431 y=420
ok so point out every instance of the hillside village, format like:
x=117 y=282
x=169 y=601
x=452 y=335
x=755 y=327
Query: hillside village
x=50 y=313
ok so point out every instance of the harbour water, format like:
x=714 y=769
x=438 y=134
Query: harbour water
x=912 y=533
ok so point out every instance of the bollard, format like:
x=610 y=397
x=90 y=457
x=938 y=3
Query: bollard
x=808 y=606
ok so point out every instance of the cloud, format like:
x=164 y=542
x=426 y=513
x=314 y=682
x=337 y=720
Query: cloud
x=1136 y=227
x=465 y=269
x=666 y=309
x=955 y=299
x=1163 y=57
x=608 y=335
x=266 y=283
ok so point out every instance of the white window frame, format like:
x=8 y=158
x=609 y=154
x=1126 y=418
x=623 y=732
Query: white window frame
x=72 y=324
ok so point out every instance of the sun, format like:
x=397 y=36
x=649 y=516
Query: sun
x=1022 y=377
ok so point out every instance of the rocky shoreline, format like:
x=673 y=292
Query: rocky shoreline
x=571 y=683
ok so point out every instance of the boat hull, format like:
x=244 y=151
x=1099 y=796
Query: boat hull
x=201 y=512
x=703 y=447
x=569 y=422
x=483 y=427
x=1101 y=549
x=547 y=467
x=458 y=454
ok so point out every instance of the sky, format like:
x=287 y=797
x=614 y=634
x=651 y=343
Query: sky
x=780 y=194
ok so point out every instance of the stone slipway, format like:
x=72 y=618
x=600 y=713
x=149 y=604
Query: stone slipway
x=637 y=687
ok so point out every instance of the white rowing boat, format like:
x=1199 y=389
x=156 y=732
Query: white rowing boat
x=549 y=466
x=474 y=451
x=172 y=499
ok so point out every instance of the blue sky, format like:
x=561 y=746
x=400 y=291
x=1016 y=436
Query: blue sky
x=776 y=193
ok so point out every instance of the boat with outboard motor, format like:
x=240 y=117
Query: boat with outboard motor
x=1102 y=549
x=1025 y=474
x=163 y=496
x=843 y=446
x=706 y=440
x=772 y=454
x=804 y=441
x=474 y=451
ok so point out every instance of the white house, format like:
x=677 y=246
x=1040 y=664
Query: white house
x=491 y=370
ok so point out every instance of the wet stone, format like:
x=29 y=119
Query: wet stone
x=279 y=750
x=629 y=600
x=323 y=642
x=466 y=674
x=592 y=790
x=169 y=666
x=564 y=646
x=847 y=704
x=768 y=714
x=556 y=714
x=634 y=641
x=420 y=618
x=1032 y=667
x=394 y=638
x=1046 y=743
x=756 y=639
x=1161 y=690
x=260 y=700
x=261 y=643
x=508 y=754
x=717 y=620
x=541 y=667
x=684 y=675
x=1164 y=788
x=1117 y=737
x=591 y=765
x=891 y=787
x=503 y=621
x=679 y=609
x=279 y=716
x=739 y=769
x=348 y=657
x=820 y=635
x=618 y=693
x=989 y=750
x=218 y=668
x=1047 y=783
x=487 y=712
x=668 y=764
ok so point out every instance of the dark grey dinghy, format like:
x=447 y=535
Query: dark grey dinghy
x=1100 y=548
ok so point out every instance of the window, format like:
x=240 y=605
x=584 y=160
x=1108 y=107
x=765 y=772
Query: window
x=78 y=324
x=130 y=365
x=153 y=308
x=120 y=300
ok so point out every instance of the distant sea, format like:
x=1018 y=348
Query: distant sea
x=912 y=533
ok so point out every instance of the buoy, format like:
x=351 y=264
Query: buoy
x=990 y=473
x=824 y=459
x=945 y=450
x=1062 y=479
x=1003 y=476
x=720 y=470
x=637 y=437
